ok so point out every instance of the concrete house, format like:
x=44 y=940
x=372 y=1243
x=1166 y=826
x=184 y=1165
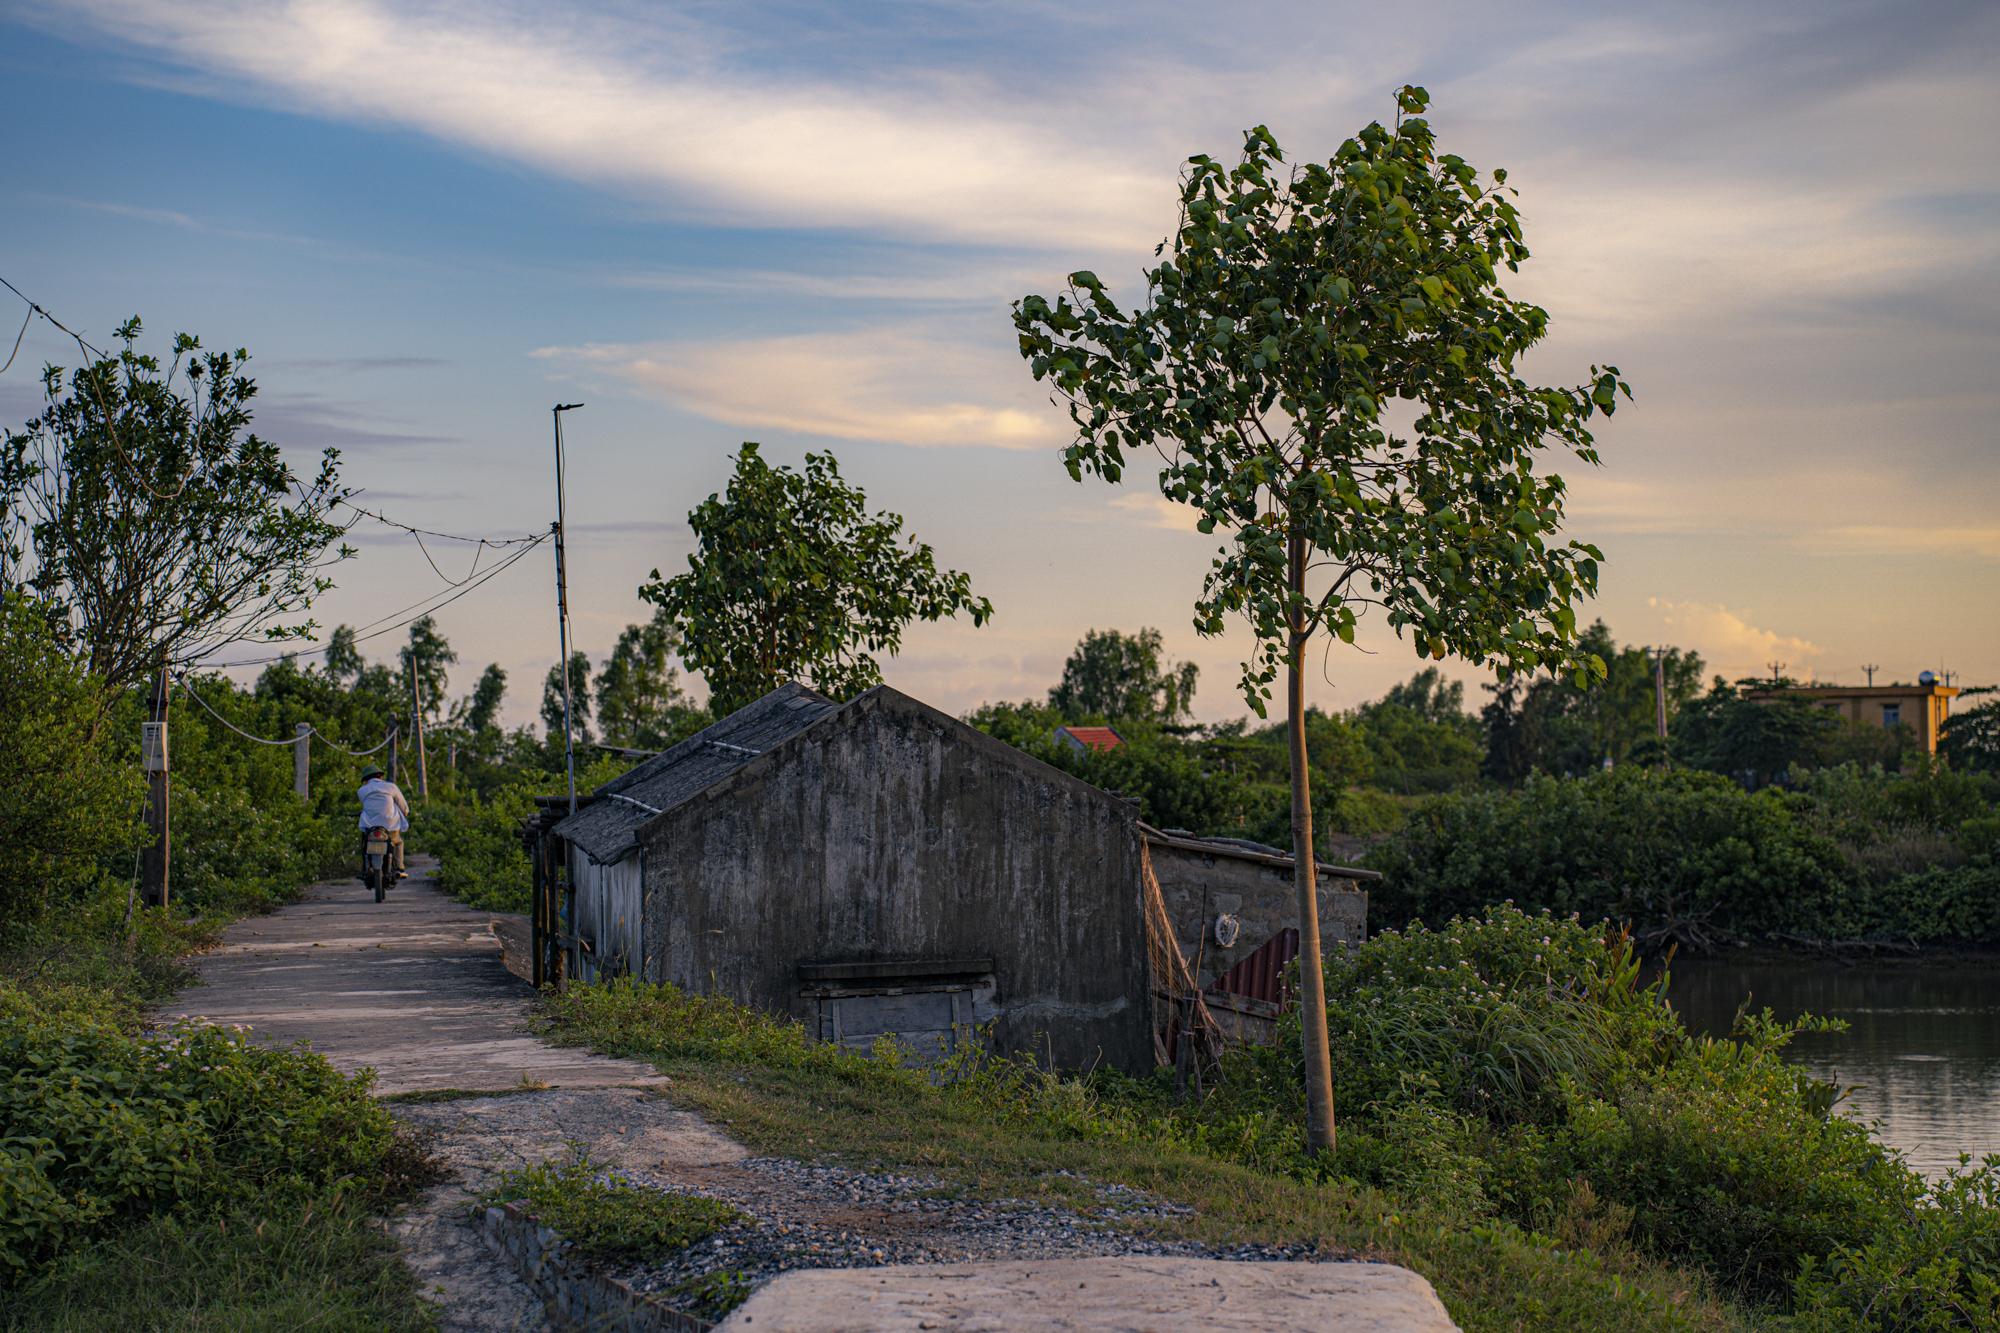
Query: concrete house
x=870 y=867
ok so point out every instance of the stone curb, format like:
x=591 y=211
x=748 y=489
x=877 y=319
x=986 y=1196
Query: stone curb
x=576 y=1295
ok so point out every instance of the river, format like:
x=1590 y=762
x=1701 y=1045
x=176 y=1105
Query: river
x=1922 y=1048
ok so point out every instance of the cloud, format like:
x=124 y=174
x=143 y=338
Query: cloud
x=1156 y=510
x=1731 y=644
x=648 y=108
x=1917 y=539
x=887 y=384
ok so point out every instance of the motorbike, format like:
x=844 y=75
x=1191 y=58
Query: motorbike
x=378 y=862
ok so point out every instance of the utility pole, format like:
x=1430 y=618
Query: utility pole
x=1870 y=671
x=153 y=748
x=1777 y=671
x=302 y=762
x=417 y=729
x=1660 y=693
x=394 y=767
x=562 y=609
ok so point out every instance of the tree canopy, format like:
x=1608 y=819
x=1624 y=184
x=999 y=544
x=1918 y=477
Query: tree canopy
x=640 y=702
x=1124 y=677
x=139 y=507
x=792 y=578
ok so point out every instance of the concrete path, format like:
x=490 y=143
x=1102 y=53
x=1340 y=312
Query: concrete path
x=413 y=988
x=1125 y=1295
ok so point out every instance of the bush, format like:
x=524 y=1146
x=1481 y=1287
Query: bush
x=65 y=805
x=100 y=1128
x=610 y=1217
x=1940 y=1272
x=1693 y=857
x=477 y=838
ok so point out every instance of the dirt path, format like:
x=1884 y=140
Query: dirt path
x=415 y=989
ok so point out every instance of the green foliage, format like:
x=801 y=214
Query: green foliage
x=1971 y=737
x=1293 y=307
x=609 y=1217
x=1420 y=738
x=579 y=699
x=66 y=805
x=1938 y=1274
x=1754 y=739
x=1124 y=678
x=476 y=835
x=101 y=1127
x=481 y=710
x=1550 y=725
x=792 y=578
x=640 y=703
x=427 y=656
x=156 y=524
x=1694 y=857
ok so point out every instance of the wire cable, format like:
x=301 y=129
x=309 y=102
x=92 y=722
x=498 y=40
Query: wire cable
x=395 y=728
x=26 y=320
x=456 y=593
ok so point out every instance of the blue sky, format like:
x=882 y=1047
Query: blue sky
x=803 y=224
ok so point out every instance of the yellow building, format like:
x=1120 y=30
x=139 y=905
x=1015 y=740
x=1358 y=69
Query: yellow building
x=1922 y=707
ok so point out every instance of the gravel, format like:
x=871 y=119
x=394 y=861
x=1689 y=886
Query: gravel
x=815 y=1215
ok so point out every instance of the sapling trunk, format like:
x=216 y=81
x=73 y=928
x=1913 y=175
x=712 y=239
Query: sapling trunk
x=1305 y=871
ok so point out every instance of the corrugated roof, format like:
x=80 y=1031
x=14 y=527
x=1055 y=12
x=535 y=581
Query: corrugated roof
x=608 y=827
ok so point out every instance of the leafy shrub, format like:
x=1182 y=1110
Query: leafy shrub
x=1939 y=1272
x=477 y=838
x=1693 y=857
x=100 y=1127
x=65 y=805
x=610 y=1217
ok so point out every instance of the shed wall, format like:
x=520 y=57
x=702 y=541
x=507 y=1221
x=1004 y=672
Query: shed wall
x=893 y=832
x=1200 y=886
x=608 y=912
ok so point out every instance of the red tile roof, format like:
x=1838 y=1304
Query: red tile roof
x=1093 y=738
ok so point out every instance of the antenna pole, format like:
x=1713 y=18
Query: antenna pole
x=562 y=609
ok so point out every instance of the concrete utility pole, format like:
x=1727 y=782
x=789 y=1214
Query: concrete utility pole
x=1870 y=671
x=1660 y=692
x=395 y=768
x=417 y=728
x=562 y=610
x=153 y=748
x=302 y=762
x=1777 y=671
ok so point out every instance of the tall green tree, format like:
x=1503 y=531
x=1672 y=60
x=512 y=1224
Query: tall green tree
x=1420 y=736
x=1327 y=362
x=579 y=698
x=640 y=701
x=140 y=507
x=481 y=709
x=1551 y=725
x=1124 y=677
x=1971 y=739
x=343 y=656
x=792 y=578
x=427 y=657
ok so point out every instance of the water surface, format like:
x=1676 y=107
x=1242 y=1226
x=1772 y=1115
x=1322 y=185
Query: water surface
x=1922 y=1049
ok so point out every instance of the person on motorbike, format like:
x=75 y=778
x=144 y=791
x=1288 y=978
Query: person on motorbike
x=383 y=806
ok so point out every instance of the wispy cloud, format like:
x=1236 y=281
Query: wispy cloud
x=888 y=384
x=616 y=103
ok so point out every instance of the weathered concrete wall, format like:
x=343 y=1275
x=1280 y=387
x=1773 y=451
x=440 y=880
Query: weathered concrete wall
x=1200 y=886
x=892 y=832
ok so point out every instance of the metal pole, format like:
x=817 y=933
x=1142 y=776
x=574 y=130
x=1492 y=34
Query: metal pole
x=159 y=852
x=1660 y=691
x=302 y=762
x=417 y=726
x=562 y=609
x=395 y=768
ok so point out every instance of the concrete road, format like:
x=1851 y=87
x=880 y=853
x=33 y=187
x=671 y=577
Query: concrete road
x=413 y=988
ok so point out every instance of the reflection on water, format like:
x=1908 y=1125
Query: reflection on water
x=1922 y=1047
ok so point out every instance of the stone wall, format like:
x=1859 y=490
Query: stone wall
x=894 y=833
x=576 y=1295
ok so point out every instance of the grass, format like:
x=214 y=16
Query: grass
x=610 y=1218
x=286 y=1269
x=762 y=1080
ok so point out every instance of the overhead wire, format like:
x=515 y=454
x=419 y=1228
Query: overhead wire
x=188 y=689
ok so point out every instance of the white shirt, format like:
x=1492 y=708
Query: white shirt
x=383 y=806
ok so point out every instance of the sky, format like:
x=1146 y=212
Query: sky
x=803 y=225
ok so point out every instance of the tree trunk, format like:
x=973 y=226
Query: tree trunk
x=1305 y=872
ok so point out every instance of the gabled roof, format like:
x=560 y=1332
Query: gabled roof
x=608 y=828
x=1096 y=739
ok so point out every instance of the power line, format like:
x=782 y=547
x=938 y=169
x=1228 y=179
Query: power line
x=456 y=593
x=382 y=518
x=187 y=687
